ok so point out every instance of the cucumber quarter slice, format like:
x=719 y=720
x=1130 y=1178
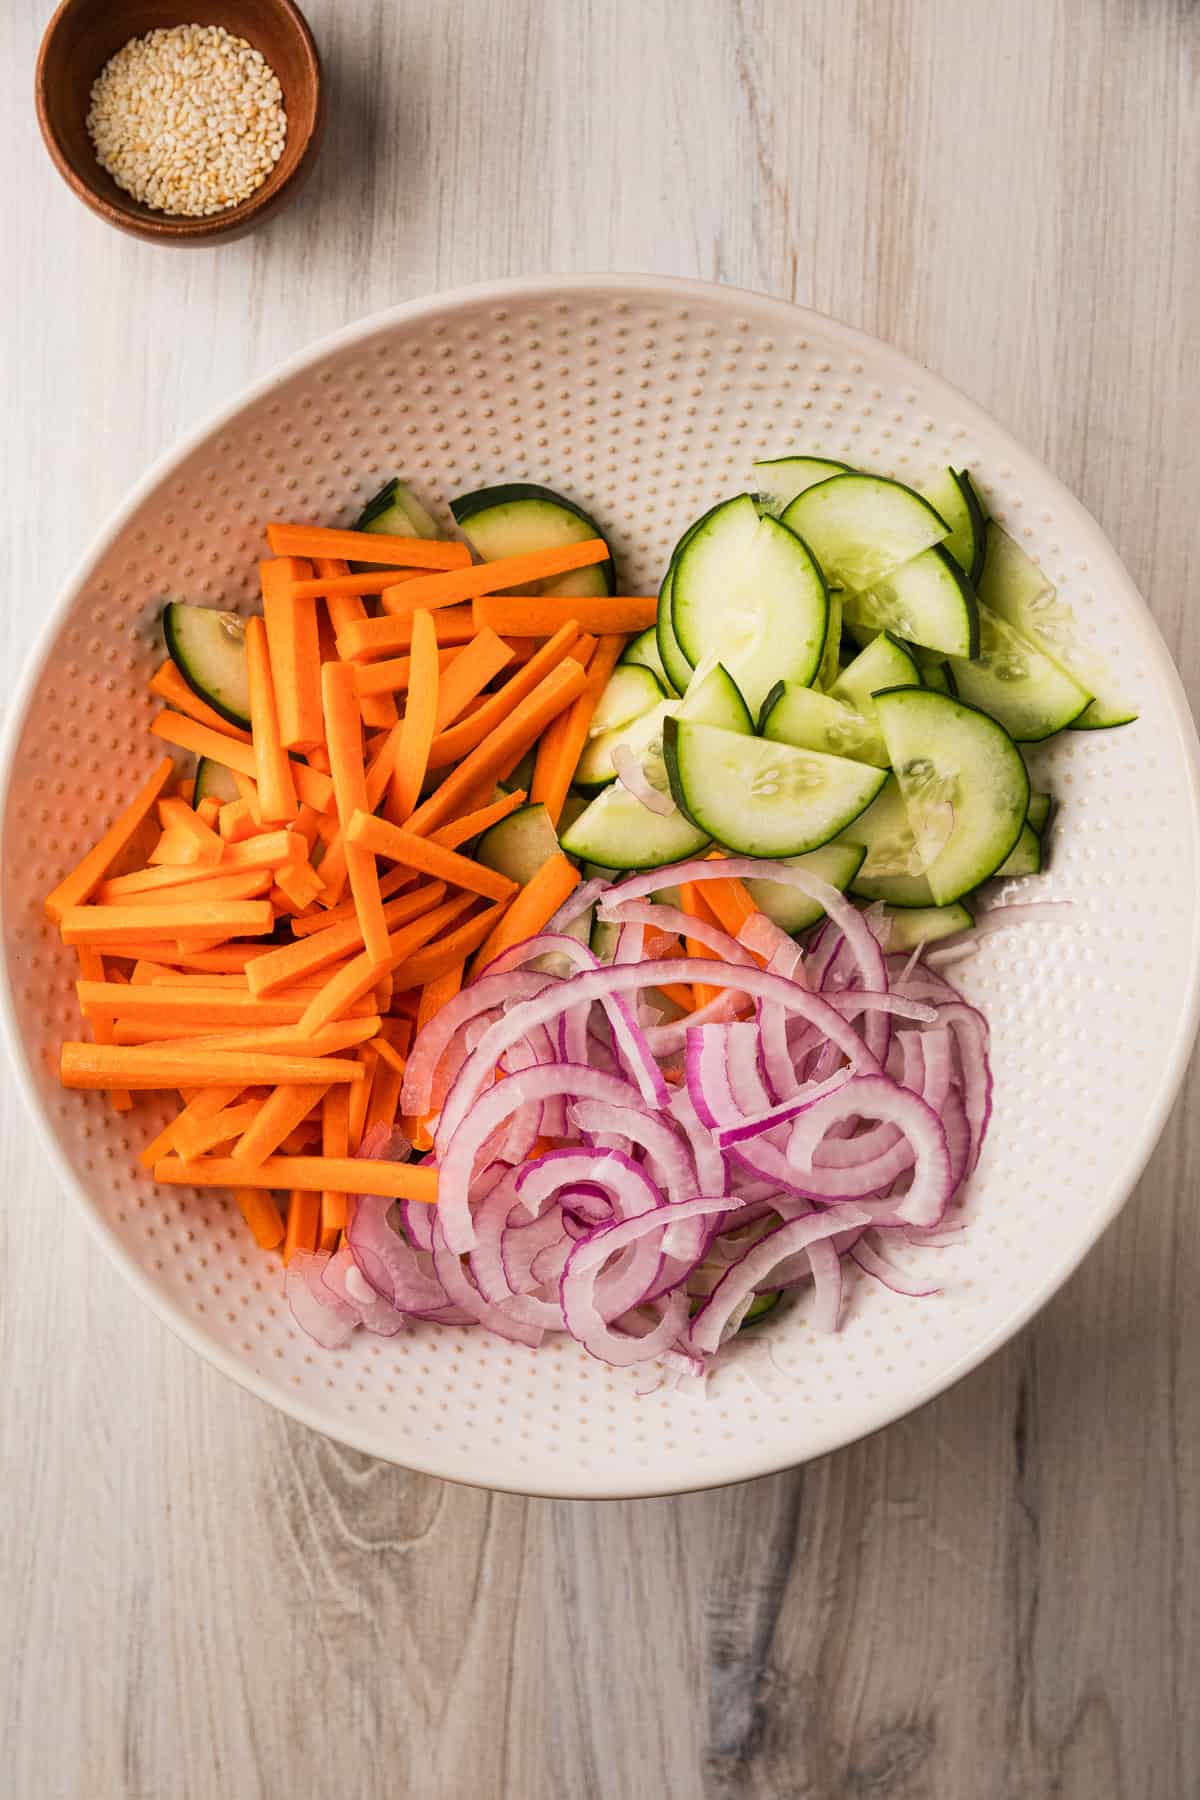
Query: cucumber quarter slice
x=641 y=652
x=1018 y=591
x=781 y=478
x=862 y=527
x=631 y=691
x=209 y=650
x=213 y=782
x=746 y=591
x=521 y=516
x=787 y=906
x=812 y=721
x=913 y=925
x=396 y=510
x=952 y=493
x=929 y=601
x=937 y=675
x=1030 y=694
x=1040 y=806
x=642 y=735
x=676 y=667
x=1025 y=857
x=519 y=845
x=831 y=665
x=965 y=787
x=761 y=798
x=883 y=664
x=891 y=865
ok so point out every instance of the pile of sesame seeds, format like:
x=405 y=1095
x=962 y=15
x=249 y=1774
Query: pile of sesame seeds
x=188 y=120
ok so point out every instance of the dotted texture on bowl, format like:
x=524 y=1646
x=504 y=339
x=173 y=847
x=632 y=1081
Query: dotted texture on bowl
x=645 y=402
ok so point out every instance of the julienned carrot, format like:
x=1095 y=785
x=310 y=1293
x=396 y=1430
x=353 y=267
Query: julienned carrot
x=175 y=919
x=235 y=822
x=272 y=765
x=354 y=1175
x=422 y=854
x=390 y=884
x=299 y=883
x=343 y=735
x=202 y=1007
x=359 y=976
x=235 y=884
x=417 y=726
x=227 y=959
x=541 y=615
x=129 y=1066
x=378 y=708
x=358 y=1098
x=388 y=1053
x=303 y=1222
x=291 y=623
x=552 y=774
x=385 y=1090
x=436 y=993
x=729 y=901
x=176 y=849
x=177 y=815
x=377 y=681
x=209 y=810
x=313 y=787
x=170 y=686
x=87 y=874
x=333 y=872
x=518 y=731
x=277 y=1115
x=367 y=546
x=278 y=1040
x=427 y=965
x=537 y=901
x=459 y=740
x=91 y=968
x=247 y=789
x=195 y=1137
x=265 y=850
x=261 y=1215
x=492 y=577
x=335 y=1142
x=477 y=663
x=292 y=963
x=694 y=903
x=460 y=830
x=204 y=1105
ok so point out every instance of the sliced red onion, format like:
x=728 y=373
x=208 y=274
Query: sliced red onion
x=754 y=1125
x=674 y=1165
x=463 y=1293
x=875 y=1097
x=586 y=1322
x=386 y=1260
x=416 y=1093
x=868 y=1258
x=970 y=1031
x=632 y=776
x=575 y=905
x=756 y=1265
x=315 y=1308
x=346 y=1282
x=710 y=1164
x=680 y=924
x=826 y=1263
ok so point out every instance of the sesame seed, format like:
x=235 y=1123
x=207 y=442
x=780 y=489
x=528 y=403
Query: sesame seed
x=185 y=112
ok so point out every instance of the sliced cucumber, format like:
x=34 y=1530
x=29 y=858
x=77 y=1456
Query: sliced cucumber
x=761 y=798
x=209 y=650
x=642 y=652
x=573 y=806
x=913 y=925
x=1018 y=591
x=862 y=527
x=746 y=591
x=631 y=691
x=831 y=666
x=1040 y=806
x=811 y=721
x=929 y=601
x=884 y=663
x=937 y=675
x=1030 y=694
x=519 y=845
x=676 y=667
x=787 y=906
x=521 y=516
x=1025 y=857
x=522 y=775
x=642 y=735
x=952 y=493
x=781 y=478
x=965 y=787
x=604 y=939
x=396 y=510
x=213 y=782
x=891 y=866
x=759 y=1308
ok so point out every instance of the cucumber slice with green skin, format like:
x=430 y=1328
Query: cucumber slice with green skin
x=793 y=911
x=522 y=775
x=760 y=798
x=573 y=806
x=929 y=601
x=811 y=721
x=1030 y=694
x=209 y=650
x=676 y=667
x=936 y=675
x=632 y=693
x=642 y=735
x=604 y=939
x=759 y=1308
x=913 y=925
x=213 y=782
x=521 y=516
x=884 y=663
x=1017 y=591
x=642 y=652
x=965 y=787
x=862 y=527
x=519 y=845
x=831 y=666
x=781 y=478
x=890 y=869
x=1025 y=857
x=746 y=590
x=395 y=510
x=1039 y=811
x=952 y=493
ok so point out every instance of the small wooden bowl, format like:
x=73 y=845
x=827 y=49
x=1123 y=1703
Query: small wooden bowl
x=79 y=40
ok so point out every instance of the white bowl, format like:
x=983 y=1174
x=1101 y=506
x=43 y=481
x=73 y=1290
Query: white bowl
x=647 y=400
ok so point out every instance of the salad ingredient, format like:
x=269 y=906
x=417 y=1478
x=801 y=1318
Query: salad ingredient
x=276 y=791
x=929 y=601
x=520 y=517
x=394 y=1181
x=952 y=494
x=291 y=626
x=781 y=478
x=862 y=527
x=523 y=616
x=208 y=649
x=77 y=887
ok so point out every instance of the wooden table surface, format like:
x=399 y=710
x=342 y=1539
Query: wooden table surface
x=997 y=1597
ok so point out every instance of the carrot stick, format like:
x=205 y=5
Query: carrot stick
x=387 y=1053
x=278 y=1114
x=299 y=883
x=383 y=839
x=417 y=726
x=457 y=741
x=295 y=651
x=437 y=992
x=265 y=850
x=91 y=968
x=177 y=815
x=541 y=615
x=343 y=733
x=389 y=884
x=729 y=902
x=552 y=774
x=354 y=1175
x=476 y=664
x=196 y=1136
x=279 y=1040
x=261 y=1215
x=129 y=1066
x=235 y=822
x=367 y=546
x=203 y=1007
x=248 y=793
x=537 y=901
x=501 y=747
x=178 y=849
x=204 y=1105
x=178 y=919
x=303 y=1219
x=272 y=767
x=428 y=965
x=208 y=810
x=359 y=1098
x=227 y=960
x=87 y=874
x=378 y=708
x=491 y=577
x=335 y=1142
x=471 y=824
x=385 y=1091
x=377 y=681
x=237 y=884
x=313 y=787
x=292 y=963
x=693 y=903
x=352 y=982
x=169 y=685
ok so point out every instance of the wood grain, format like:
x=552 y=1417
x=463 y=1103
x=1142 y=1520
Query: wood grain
x=994 y=1600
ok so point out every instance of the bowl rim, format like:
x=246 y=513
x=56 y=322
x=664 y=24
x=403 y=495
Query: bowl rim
x=1135 y=1152
x=171 y=228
